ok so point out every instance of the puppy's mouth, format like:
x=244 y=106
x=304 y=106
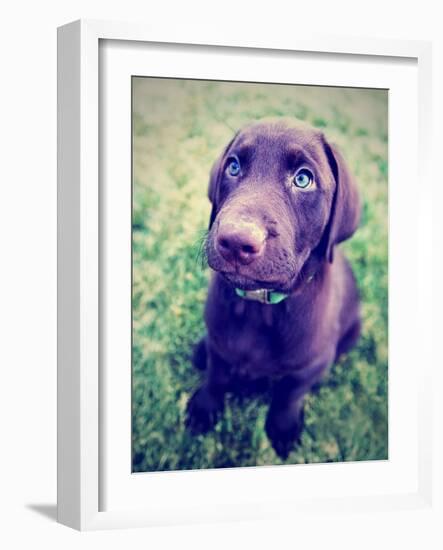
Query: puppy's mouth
x=243 y=282
x=277 y=273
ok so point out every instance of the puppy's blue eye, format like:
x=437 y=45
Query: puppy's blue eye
x=303 y=178
x=234 y=167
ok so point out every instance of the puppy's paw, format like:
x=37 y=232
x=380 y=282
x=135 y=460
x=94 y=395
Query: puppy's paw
x=284 y=435
x=202 y=412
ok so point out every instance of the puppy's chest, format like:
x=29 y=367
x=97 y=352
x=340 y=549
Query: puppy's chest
x=255 y=343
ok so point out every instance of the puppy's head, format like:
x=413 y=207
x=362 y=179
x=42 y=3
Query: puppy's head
x=280 y=195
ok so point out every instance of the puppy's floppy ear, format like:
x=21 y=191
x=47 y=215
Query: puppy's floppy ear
x=214 y=182
x=345 y=211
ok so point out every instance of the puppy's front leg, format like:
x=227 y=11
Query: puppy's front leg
x=207 y=402
x=285 y=420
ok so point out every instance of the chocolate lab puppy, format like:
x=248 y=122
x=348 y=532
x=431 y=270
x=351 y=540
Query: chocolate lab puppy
x=282 y=303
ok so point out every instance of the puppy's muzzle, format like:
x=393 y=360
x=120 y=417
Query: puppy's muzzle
x=240 y=241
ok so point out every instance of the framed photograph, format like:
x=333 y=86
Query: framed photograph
x=240 y=239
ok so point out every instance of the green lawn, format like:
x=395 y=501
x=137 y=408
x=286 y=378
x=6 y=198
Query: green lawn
x=179 y=128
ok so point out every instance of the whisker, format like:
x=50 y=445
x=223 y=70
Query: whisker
x=201 y=253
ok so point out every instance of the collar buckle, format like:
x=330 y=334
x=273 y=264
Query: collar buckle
x=262 y=295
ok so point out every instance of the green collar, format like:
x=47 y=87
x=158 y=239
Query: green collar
x=262 y=295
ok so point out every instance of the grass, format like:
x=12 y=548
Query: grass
x=179 y=128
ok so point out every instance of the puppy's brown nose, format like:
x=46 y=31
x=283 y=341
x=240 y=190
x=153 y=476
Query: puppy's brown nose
x=241 y=241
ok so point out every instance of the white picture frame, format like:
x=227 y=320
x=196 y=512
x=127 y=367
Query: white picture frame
x=82 y=468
